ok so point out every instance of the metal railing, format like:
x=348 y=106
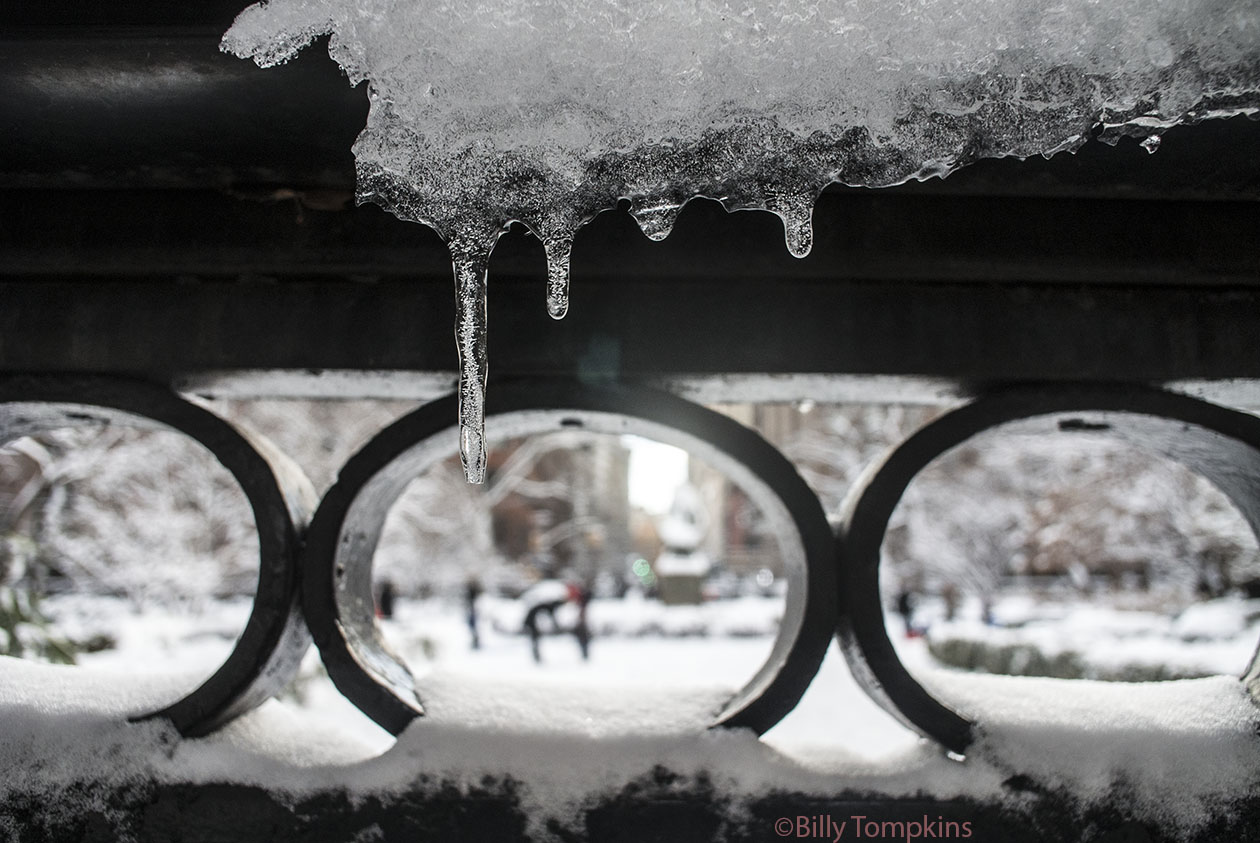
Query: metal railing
x=315 y=563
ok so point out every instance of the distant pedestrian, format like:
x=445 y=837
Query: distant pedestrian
x=542 y=598
x=385 y=600
x=949 y=594
x=472 y=590
x=581 y=595
x=905 y=608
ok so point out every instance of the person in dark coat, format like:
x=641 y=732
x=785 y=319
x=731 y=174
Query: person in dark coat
x=542 y=598
x=385 y=600
x=472 y=590
x=581 y=595
x=905 y=608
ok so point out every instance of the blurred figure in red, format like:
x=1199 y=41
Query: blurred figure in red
x=385 y=600
x=543 y=598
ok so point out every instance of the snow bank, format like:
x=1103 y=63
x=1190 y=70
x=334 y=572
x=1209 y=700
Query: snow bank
x=64 y=724
x=1177 y=752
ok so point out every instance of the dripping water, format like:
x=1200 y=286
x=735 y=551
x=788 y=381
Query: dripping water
x=797 y=212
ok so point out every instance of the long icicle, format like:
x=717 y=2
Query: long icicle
x=470 y=263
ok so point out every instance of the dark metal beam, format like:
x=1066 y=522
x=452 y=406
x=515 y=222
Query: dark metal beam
x=974 y=333
x=138 y=94
x=157 y=108
x=893 y=235
x=166 y=209
x=967 y=288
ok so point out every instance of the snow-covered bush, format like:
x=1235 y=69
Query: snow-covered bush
x=1093 y=640
x=24 y=629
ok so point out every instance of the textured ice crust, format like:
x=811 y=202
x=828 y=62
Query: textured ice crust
x=549 y=111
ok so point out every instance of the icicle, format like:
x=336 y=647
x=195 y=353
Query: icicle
x=658 y=220
x=796 y=209
x=470 y=261
x=559 y=248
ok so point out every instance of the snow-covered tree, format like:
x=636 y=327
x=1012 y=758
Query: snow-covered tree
x=146 y=514
x=1009 y=503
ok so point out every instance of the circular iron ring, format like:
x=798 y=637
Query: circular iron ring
x=270 y=648
x=1220 y=444
x=337 y=590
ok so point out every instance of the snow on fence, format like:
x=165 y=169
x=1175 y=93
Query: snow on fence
x=1004 y=758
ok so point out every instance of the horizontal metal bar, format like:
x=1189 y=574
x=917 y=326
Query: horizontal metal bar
x=904 y=234
x=1243 y=393
x=966 y=333
x=152 y=107
x=159 y=105
x=703 y=389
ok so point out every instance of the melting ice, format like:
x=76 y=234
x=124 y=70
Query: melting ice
x=549 y=111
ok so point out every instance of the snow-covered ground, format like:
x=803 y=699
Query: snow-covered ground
x=685 y=657
x=682 y=662
x=567 y=726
